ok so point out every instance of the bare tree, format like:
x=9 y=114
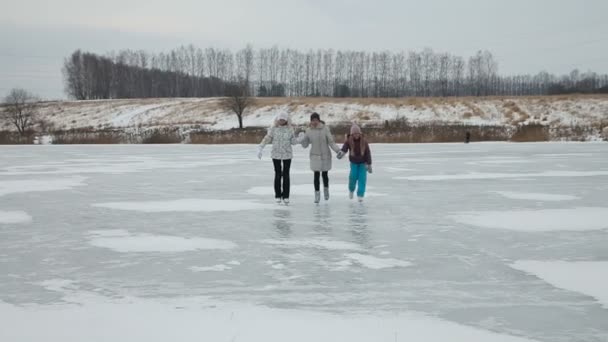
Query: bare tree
x=20 y=109
x=237 y=100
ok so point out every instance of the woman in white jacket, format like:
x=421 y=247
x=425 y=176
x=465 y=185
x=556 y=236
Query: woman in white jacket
x=282 y=137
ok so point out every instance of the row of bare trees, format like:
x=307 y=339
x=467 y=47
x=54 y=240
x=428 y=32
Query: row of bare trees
x=194 y=72
x=89 y=76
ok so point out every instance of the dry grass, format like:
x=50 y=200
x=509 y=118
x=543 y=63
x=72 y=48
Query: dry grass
x=532 y=132
x=474 y=110
x=233 y=136
x=162 y=136
x=514 y=113
x=86 y=138
x=14 y=138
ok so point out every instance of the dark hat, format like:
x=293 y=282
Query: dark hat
x=315 y=116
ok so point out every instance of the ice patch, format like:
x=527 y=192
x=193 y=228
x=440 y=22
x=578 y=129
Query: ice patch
x=306 y=190
x=110 y=233
x=216 y=268
x=500 y=161
x=59 y=285
x=397 y=169
x=183 y=205
x=536 y=196
x=577 y=219
x=98 y=319
x=586 y=277
x=326 y=244
x=234 y=263
x=376 y=263
x=107 y=167
x=14 y=217
x=480 y=175
x=39 y=185
x=156 y=243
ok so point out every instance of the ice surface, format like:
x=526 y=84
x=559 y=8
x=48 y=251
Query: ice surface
x=14 y=217
x=586 y=277
x=536 y=196
x=38 y=185
x=325 y=244
x=181 y=249
x=157 y=243
x=216 y=268
x=376 y=263
x=546 y=220
x=199 y=319
x=478 y=175
x=308 y=189
x=187 y=204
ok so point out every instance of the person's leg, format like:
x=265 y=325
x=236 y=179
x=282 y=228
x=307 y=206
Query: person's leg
x=286 y=180
x=277 y=178
x=352 y=177
x=362 y=180
x=326 y=185
x=317 y=187
x=317 y=181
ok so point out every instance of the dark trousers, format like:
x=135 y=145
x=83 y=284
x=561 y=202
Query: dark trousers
x=281 y=173
x=325 y=180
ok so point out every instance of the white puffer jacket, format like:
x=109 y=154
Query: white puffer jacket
x=282 y=138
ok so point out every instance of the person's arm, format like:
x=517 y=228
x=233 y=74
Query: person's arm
x=303 y=139
x=343 y=150
x=294 y=139
x=368 y=154
x=267 y=139
x=330 y=140
x=368 y=158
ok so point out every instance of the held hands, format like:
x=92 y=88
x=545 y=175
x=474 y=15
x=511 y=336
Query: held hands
x=259 y=152
x=369 y=168
x=340 y=154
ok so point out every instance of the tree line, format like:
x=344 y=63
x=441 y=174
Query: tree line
x=194 y=72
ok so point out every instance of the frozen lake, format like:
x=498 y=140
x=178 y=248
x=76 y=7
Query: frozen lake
x=480 y=242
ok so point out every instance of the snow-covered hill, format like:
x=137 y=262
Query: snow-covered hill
x=207 y=113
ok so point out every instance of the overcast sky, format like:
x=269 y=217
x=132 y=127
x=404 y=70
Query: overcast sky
x=526 y=36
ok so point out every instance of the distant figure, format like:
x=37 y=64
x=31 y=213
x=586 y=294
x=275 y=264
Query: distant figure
x=467 y=138
x=360 y=157
x=320 y=139
x=282 y=136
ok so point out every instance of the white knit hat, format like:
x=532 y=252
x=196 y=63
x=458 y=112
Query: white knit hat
x=283 y=116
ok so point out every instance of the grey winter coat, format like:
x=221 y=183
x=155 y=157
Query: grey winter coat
x=281 y=137
x=320 y=141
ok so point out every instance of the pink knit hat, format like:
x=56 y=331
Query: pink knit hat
x=354 y=129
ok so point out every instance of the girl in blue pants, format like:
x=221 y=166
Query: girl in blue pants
x=360 y=158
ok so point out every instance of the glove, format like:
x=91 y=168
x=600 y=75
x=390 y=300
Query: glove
x=340 y=154
x=259 y=152
x=369 y=168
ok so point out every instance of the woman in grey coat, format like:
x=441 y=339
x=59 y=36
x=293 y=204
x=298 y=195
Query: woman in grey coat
x=320 y=139
x=282 y=136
